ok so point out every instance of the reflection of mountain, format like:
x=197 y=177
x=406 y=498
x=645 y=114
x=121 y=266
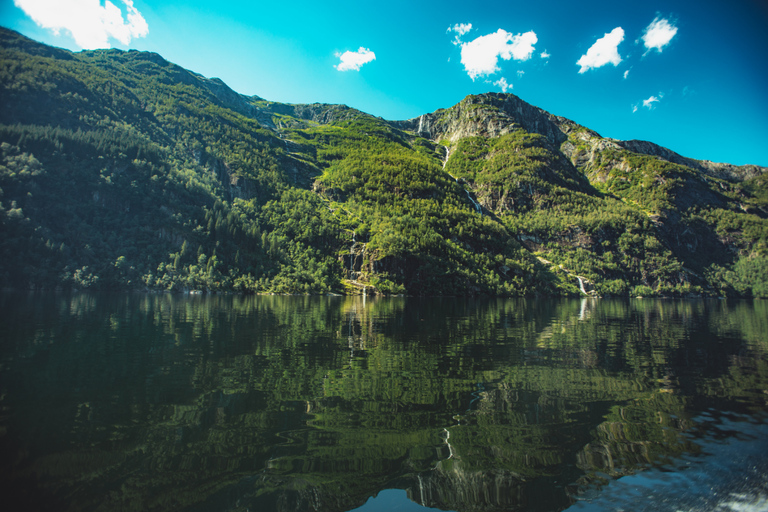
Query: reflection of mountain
x=469 y=491
x=158 y=402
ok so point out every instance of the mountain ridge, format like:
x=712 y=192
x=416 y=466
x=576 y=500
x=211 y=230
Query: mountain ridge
x=121 y=169
x=558 y=128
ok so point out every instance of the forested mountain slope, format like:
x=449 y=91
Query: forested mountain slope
x=122 y=170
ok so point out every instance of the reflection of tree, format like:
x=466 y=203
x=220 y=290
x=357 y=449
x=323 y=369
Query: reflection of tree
x=165 y=402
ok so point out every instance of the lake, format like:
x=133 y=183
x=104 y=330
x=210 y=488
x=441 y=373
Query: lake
x=230 y=403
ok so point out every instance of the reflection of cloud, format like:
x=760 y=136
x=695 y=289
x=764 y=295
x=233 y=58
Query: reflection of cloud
x=481 y=56
x=90 y=23
x=604 y=51
x=658 y=34
x=353 y=61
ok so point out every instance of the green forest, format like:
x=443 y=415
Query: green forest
x=121 y=170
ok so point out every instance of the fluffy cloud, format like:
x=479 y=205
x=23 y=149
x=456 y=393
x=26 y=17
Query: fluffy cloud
x=90 y=23
x=626 y=74
x=460 y=28
x=481 y=56
x=354 y=60
x=604 y=51
x=502 y=83
x=545 y=54
x=658 y=34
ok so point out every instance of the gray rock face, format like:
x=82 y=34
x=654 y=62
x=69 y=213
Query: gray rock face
x=487 y=115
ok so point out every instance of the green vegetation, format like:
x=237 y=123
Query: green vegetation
x=122 y=170
x=147 y=178
x=539 y=195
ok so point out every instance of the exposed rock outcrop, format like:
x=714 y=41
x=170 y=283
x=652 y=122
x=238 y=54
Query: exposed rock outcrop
x=718 y=170
x=488 y=115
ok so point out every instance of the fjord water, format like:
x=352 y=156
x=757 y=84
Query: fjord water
x=169 y=402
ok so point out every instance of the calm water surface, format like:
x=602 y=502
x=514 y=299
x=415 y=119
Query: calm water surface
x=160 y=402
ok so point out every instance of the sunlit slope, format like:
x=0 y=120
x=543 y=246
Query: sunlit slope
x=628 y=216
x=122 y=170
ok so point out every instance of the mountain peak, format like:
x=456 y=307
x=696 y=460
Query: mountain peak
x=489 y=115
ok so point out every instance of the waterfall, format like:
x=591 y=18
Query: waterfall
x=351 y=337
x=421 y=123
x=581 y=286
x=478 y=208
x=450 y=448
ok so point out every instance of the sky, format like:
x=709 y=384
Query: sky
x=689 y=75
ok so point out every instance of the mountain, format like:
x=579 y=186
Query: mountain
x=122 y=170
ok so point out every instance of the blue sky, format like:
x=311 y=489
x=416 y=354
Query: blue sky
x=691 y=76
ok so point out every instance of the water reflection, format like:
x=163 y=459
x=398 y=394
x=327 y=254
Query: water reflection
x=160 y=402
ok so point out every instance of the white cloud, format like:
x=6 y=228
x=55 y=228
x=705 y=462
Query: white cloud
x=91 y=24
x=520 y=73
x=626 y=74
x=481 y=56
x=649 y=102
x=460 y=29
x=502 y=82
x=658 y=34
x=634 y=108
x=545 y=54
x=604 y=51
x=354 y=60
